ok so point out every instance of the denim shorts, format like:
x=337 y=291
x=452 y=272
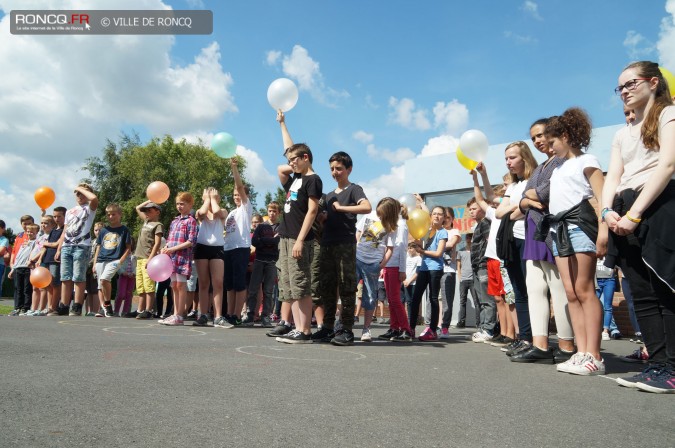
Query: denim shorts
x=580 y=242
x=74 y=262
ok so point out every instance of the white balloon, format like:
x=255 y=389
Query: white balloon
x=282 y=94
x=474 y=145
x=408 y=201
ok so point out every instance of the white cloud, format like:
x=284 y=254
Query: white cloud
x=19 y=173
x=255 y=172
x=404 y=113
x=452 y=117
x=272 y=57
x=666 y=42
x=61 y=97
x=532 y=9
x=637 y=46
x=520 y=39
x=439 y=145
x=394 y=157
x=302 y=68
x=363 y=136
x=389 y=184
x=370 y=104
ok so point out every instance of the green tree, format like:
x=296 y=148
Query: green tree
x=125 y=169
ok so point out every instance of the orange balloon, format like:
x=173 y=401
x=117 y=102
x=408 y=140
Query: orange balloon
x=158 y=192
x=40 y=277
x=419 y=222
x=44 y=197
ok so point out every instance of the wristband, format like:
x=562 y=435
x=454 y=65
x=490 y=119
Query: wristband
x=631 y=219
x=604 y=212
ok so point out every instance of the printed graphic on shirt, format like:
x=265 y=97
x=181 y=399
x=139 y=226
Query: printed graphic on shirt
x=76 y=221
x=111 y=240
x=373 y=232
x=231 y=223
x=292 y=194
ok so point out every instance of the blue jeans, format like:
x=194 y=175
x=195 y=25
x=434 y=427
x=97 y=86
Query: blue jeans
x=631 y=307
x=369 y=273
x=605 y=292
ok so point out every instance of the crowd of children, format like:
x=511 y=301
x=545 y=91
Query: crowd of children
x=536 y=243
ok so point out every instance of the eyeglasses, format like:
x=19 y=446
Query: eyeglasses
x=293 y=159
x=630 y=85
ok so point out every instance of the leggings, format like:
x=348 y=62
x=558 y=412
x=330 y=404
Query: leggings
x=125 y=290
x=162 y=287
x=543 y=277
x=424 y=279
x=516 y=270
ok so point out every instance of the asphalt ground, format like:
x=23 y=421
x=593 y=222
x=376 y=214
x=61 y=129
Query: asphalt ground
x=115 y=382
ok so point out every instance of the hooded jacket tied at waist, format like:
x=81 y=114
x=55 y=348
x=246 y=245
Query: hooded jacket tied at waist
x=582 y=215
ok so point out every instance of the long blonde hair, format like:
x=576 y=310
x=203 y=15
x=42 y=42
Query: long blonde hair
x=528 y=158
x=388 y=210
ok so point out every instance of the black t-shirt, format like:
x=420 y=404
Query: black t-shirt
x=340 y=228
x=299 y=189
x=53 y=237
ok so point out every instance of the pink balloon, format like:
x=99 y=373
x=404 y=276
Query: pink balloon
x=160 y=267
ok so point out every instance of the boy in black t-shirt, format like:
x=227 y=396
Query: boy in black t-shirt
x=337 y=258
x=303 y=191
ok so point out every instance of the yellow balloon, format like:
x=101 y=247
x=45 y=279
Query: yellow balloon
x=671 y=80
x=419 y=222
x=465 y=161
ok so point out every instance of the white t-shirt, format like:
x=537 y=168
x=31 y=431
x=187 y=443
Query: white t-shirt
x=450 y=256
x=374 y=239
x=398 y=258
x=515 y=193
x=77 y=226
x=211 y=232
x=569 y=185
x=638 y=162
x=491 y=249
x=238 y=227
x=411 y=265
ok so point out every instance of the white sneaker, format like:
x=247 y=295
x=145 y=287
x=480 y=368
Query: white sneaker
x=576 y=359
x=481 y=336
x=588 y=366
x=30 y=313
x=366 y=336
x=605 y=336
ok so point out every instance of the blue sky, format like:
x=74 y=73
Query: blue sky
x=384 y=81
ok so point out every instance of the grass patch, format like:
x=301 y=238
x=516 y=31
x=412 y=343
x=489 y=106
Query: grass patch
x=6 y=309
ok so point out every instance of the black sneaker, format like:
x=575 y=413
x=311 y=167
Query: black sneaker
x=201 y=321
x=144 y=315
x=266 y=322
x=100 y=313
x=247 y=322
x=323 y=334
x=560 y=355
x=637 y=339
x=645 y=376
x=343 y=337
x=76 y=310
x=534 y=355
x=108 y=311
x=233 y=320
x=280 y=330
x=192 y=315
x=131 y=314
x=403 y=336
x=62 y=310
x=461 y=324
x=501 y=341
x=389 y=334
x=519 y=346
x=295 y=337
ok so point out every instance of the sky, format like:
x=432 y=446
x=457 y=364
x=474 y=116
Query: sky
x=384 y=81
